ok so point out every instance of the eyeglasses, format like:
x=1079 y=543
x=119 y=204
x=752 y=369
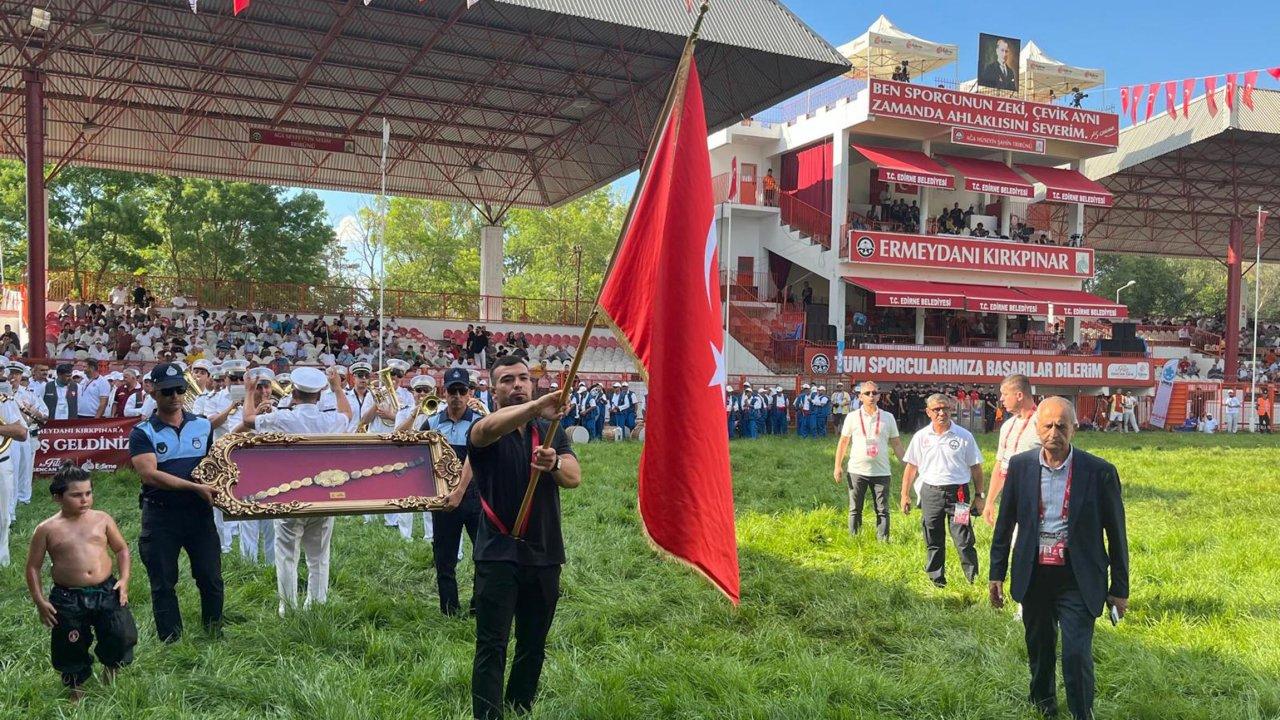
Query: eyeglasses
x=455 y=390
x=169 y=392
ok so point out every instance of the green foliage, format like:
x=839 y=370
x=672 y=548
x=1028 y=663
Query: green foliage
x=108 y=221
x=432 y=245
x=831 y=626
x=542 y=247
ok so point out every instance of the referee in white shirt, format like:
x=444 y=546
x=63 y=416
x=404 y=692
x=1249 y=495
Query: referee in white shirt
x=942 y=460
x=867 y=435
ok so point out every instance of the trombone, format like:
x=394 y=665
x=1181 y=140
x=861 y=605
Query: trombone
x=193 y=391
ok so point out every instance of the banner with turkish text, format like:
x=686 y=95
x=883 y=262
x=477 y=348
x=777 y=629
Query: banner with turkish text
x=91 y=444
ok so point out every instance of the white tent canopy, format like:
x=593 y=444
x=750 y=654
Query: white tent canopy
x=878 y=51
x=1039 y=74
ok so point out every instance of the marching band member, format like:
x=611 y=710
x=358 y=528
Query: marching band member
x=13 y=431
x=804 y=410
x=24 y=454
x=363 y=403
x=422 y=387
x=753 y=411
x=822 y=410
x=732 y=408
x=224 y=415
x=778 y=411
x=311 y=535
x=629 y=409
x=202 y=371
x=257 y=537
x=387 y=417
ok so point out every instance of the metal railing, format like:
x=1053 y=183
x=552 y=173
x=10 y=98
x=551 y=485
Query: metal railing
x=806 y=219
x=318 y=299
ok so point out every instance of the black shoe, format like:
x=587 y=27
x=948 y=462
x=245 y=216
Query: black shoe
x=939 y=582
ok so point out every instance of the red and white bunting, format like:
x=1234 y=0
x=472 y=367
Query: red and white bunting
x=1210 y=94
x=1231 y=91
x=1250 y=80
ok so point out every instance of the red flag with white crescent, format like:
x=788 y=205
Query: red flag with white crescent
x=1170 y=99
x=663 y=296
x=1262 y=224
x=1188 y=89
x=1210 y=93
x=1231 y=91
x=1250 y=80
x=239 y=5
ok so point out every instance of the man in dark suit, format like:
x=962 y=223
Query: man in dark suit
x=1062 y=501
x=1001 y=74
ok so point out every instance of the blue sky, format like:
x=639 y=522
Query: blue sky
x=1133 y=42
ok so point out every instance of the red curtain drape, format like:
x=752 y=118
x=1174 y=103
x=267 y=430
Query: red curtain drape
x=807 y=173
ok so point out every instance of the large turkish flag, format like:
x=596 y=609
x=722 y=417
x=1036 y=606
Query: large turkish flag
x=663 y=295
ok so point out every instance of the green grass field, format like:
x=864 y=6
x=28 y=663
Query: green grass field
x=830 y=626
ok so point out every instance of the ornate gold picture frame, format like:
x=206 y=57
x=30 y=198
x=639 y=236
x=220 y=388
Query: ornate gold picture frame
x=274 y=475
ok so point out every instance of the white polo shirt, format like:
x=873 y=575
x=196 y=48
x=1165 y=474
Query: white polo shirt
x=943 y=459
x=1017 y=435
x=865 y=431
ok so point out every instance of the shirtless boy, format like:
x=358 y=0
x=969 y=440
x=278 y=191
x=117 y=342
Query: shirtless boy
x=85 y=599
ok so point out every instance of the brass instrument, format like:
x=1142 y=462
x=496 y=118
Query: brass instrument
x=193 y=391
x=478 y=407
x=430 y=405
x=384 y=390
x=280 y=390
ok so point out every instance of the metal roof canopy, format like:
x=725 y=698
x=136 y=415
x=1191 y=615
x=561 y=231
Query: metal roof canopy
x=506 y=103
x=1179 y=184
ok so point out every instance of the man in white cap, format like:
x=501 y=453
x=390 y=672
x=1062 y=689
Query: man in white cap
x=33 y=416
x=732 y=409
x=223 y=411
x=804 y=411
x=13 y=432
x=139 y=403
x=822 y=411
x=778 y=411
x=201 y=370
x=628 y=406
x=422 y=387
x=616 y=416
x=388 y=417
x=311 y=535
x=841 y=403
x=752 y=412
x=483 y=394
x=363 y=404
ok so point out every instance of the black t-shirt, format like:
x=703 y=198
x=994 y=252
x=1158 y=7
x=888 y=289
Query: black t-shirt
x=500 y=473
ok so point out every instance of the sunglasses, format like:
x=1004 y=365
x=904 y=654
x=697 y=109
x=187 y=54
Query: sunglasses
x=360 y=374
x=870 y=392
x=422 y=390
x=170 y=392
x=455 y=390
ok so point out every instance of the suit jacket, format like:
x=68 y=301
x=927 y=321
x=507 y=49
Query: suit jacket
x=1095 y=509
x=996 y=76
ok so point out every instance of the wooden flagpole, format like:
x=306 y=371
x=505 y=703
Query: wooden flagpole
x=676 y=91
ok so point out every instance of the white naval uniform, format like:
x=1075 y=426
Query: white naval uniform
x=24 y=454
x=311 y=535
x=9 y=413
x=208 y=405
x=403 y=521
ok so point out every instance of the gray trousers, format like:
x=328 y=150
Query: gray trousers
x=938 y=507
x=858 y=485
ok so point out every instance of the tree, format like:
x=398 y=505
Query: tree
x=542 y=245
x=433 y=246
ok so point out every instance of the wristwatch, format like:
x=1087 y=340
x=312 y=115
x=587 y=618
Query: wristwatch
x=556 y=467
x=982 y=496
x=333 y=478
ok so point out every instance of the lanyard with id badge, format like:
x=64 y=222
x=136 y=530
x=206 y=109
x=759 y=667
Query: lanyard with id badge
x=873 y=444
x=1053 y=546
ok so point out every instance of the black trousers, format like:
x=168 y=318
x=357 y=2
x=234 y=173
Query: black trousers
x=1053 y=601
x=858 y=485
x=938 y=507
x=167 y=530
x=507 y=591
x=448 y=527
x=82 y=613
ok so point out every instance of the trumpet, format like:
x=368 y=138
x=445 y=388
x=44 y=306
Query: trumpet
x=478 y=407
x=384 y=391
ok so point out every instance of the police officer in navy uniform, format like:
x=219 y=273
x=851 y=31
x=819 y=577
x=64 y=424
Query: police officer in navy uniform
x=177 y=513
x=454 y=422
